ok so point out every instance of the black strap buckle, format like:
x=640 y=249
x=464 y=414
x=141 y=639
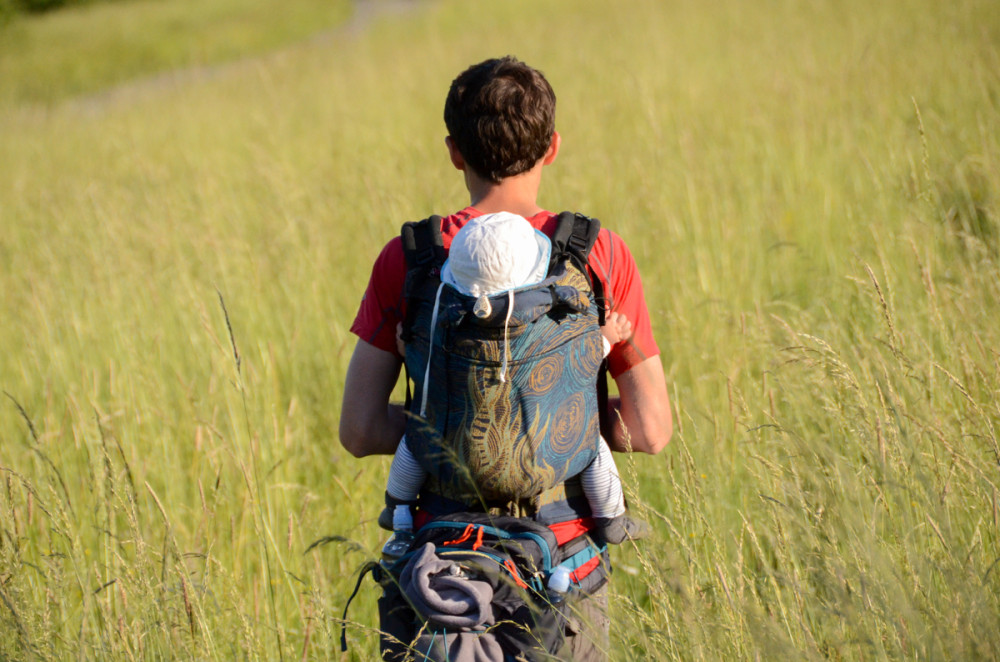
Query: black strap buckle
x=425 y=256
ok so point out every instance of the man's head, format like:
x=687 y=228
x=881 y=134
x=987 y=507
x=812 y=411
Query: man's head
x=501 y=116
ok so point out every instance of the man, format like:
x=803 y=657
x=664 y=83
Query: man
x=500 y=116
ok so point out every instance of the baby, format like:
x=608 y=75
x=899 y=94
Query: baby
x=489 y=255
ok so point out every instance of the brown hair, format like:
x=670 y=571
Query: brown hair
x=501 y=114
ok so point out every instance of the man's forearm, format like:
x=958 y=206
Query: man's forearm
x=640 y=419
x=379 y=437
x=395 y=426
x=369 y=425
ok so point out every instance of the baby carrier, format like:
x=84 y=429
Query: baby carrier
x=505 y=404
x=505 y=388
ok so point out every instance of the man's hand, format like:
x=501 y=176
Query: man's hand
x=369 y=425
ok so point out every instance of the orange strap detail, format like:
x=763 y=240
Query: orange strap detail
x=512 y=569
x=466 y=534
x=479 y=539
x=585 y=569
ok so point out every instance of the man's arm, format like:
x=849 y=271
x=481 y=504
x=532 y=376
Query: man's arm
x=644 y=408
x=369 y=425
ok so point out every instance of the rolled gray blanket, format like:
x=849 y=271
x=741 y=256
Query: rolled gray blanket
x=456 y=607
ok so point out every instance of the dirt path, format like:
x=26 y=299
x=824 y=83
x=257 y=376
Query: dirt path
x=365 y=13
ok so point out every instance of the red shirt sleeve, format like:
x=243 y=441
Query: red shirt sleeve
x=614 y=265
x=382 y=305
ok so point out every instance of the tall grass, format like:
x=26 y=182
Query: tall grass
x=810 y=192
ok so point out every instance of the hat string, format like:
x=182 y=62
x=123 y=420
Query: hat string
x=506 y=344
x=430 y=351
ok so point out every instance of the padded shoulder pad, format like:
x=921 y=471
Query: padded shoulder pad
x=575 y=235
x=422 y=245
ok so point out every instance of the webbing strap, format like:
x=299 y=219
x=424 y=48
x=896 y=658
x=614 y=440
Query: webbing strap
x=581 y=558
x=514 y=574
x=466 y=534
x=577 y=575
x=370 y=566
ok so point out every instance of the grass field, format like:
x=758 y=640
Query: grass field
x=812 y=193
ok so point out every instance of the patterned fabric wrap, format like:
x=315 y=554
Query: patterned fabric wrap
x=484 y=440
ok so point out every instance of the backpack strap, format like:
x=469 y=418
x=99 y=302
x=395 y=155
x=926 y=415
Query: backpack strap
x=424 y=252
x=422 y=248
x=376 y=571
x=574 y=237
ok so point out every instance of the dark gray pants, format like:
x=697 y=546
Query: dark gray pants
x=588 y=630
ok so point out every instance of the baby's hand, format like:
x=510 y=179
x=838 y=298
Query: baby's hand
x=400 y=345
x=616 y=328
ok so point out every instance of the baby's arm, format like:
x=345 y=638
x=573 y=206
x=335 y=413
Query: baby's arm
x=616 y=328
x=400 y=345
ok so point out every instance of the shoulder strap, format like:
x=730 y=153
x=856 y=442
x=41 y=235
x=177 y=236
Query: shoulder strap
x=575 y=237
x=424 y=252
x=422 y=248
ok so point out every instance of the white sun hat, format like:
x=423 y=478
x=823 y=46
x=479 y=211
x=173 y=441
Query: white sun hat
x=496 y=253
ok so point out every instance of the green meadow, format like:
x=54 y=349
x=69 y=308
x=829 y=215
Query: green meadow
x=190 y=203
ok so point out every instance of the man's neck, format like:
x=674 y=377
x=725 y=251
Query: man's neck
x=517 y=194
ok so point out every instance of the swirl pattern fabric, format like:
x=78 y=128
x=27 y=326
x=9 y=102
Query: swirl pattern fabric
x=484 y=439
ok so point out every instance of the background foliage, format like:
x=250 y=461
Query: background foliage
x=811 y=192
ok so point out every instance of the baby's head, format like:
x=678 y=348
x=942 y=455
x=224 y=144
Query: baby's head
x=495 y=253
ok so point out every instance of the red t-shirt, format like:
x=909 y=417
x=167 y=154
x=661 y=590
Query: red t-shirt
x=382 y=306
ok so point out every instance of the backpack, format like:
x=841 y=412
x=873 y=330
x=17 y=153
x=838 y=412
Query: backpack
x=504 y=400
x=509 y=561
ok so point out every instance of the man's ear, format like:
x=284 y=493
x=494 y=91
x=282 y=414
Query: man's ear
x=553 y=150
x=457 y=159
